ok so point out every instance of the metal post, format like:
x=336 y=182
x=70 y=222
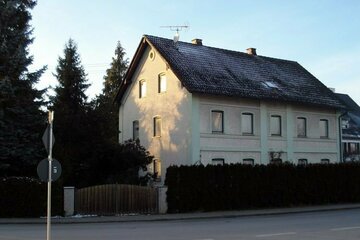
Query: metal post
x=48 y=232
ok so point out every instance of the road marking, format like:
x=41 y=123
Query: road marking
x=344 y=228
x=275 y=234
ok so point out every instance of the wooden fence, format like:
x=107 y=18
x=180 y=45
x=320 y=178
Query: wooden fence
x=113 y=199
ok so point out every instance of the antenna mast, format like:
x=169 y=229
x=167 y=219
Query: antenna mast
x=177 y=29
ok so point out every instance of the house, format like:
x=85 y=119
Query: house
x=350 y=129
x=189 y=104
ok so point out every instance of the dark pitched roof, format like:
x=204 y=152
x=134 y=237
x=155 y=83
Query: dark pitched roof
x=350 y=104
x=209 y=70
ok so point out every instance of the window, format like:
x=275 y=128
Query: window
x=142 y=89
x=157 y=169
x=276 y=161
x=218 y=161
x=275 y=125
x=135 y=130
x=217 y=118
x=324 y=128
x=302 y=161
x=248 y=161
x=162 y=83
x=247 y=126
x=157 y=126
x=301 y=126
x=325 y=161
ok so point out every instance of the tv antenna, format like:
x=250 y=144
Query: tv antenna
x=177 y=29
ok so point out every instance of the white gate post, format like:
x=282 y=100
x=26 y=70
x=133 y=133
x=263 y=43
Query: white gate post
x=162 y=203
x=69 y=201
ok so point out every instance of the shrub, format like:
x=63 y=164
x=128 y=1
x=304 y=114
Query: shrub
x=27 y=197
x=237 y=186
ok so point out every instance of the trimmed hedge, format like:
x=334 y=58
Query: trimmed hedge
x=27 y=197
x=238 y=186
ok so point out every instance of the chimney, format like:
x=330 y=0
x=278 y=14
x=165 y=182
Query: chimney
x=251 y=51
x=332 y=89
x=197 y=41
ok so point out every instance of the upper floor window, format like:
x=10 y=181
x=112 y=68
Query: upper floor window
x=217 y=119
x=142 y=89
x=218 y=161
x=162 y=83
x=248 y=161
x=135 y=130
x=301 y=126
x=157 y=126
x=324 y=128
x=275 y=125
x=247 y=123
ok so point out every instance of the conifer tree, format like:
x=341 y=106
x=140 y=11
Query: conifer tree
x=70 y=107
x=104 y=103
x=21 y=120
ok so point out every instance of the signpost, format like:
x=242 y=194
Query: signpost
x=49 y=169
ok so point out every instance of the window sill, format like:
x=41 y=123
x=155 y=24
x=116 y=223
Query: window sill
x=248 y=134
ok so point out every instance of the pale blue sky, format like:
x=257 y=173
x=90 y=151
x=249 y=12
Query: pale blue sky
x=323 y=36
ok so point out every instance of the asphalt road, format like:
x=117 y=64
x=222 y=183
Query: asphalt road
x=342 y=224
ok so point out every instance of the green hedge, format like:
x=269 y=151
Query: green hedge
x=238 y=186
x=27 y=197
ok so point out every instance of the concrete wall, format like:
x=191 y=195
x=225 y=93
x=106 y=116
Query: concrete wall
x=173 y=106
x=234 y=146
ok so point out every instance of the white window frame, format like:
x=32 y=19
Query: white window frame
x=326 y=126
x=248 y=161
x=277 y=116
x=252 y=123
x=217 y=161
x=136 y=127
x=325 y=161
x=162 y=83
x=301 y=135
x=142 y=88
x=157 y=169
x=302 y=161
x=157 y=127
x=212 y=121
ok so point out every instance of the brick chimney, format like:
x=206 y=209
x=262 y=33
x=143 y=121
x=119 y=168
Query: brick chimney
x=197 y=41
x=251 y=51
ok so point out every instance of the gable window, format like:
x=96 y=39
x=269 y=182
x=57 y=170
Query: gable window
x=157 y=169
x=218 y=161
x=217 y=119
x=302 y=161
x=324 y=128
x=248 y=161
x=142 y=89
x=162 y=83
x=301 y=126
x=135 y=130
x=275 y=125
x=247 y=125
x=157 y=126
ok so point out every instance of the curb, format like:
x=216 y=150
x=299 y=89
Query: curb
x=179 y=216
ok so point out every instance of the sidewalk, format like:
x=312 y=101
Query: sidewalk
x=178 y=216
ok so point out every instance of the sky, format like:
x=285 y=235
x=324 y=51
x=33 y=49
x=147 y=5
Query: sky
x=323 y=36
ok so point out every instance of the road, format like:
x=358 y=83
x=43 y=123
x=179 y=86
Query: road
x=344 y=224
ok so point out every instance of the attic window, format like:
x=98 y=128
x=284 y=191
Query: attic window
x=268 y=84
x=152 y=55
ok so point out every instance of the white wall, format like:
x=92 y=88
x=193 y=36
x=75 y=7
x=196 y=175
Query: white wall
x=234 y=147
x=173 y=106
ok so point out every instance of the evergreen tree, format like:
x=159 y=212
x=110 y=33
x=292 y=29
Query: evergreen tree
x=104 y=104
x=21 y=120
x=70 y=122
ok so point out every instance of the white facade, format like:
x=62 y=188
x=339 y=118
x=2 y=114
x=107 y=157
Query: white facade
x=187 y=137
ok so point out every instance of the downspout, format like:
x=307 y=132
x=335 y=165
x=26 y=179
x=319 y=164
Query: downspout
x=340 y=136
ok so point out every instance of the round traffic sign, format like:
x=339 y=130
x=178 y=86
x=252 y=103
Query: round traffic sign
x=43 y=170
